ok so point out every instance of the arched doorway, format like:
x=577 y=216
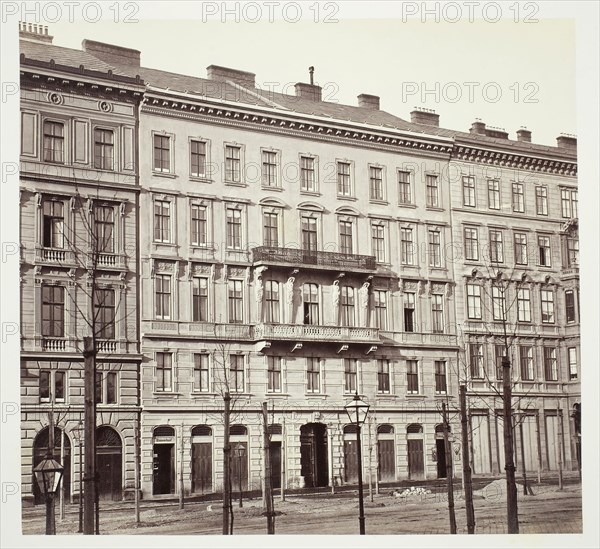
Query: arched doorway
x=109 y=463
x=416 y=459
x=40 y=450
x=313 y=454
x=201 y=459
x=386 y=462
x=238 y=437
x=440 y=450
x=163 y=450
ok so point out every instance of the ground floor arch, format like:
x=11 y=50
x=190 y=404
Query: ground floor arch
x=313 y=454
x=109 y=463
x=40 y=451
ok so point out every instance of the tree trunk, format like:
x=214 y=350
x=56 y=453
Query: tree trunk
x=267 y=472
x=509 y=465
x=449 y=482
x=89 y=494
x=136 y=482
x=226 y=465
x=467 y=480
x=181 y=495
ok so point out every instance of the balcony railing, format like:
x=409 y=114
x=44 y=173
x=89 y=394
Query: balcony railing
x=308 y=332
x=54 y=344
x=110 y=260
x=199 y=329
x=53 y=255
x=331 y=260
x=107 y=346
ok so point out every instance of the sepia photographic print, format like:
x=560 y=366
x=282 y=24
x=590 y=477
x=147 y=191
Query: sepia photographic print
x=301 y=269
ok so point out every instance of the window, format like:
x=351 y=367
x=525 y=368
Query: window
x=526 y=359
x=476 y=360
x=383 y=376
x=523 y=305
x=44 y=388
x=269 y=169
x=435 y=249
x=52 y=385
x=380 y=301
x=54 y=142
x=104 y=313
x=496 y=248
x=471 y=244
x=350 y=376
x=53 y=224
x=572 y=252
x=541 y=200
x=518 y=198
x=104 y=144
x=544 y=250
x=568 y=201
x=345 y=237
x=347 y=302
x=236 y=373
x=570 y=305
x=308 y=181
x=376 y=183
x=378 y=241
x=498 y=302
x=236 y=312
x=197 y=158
x=164 y=372
x=310 y=298
x=547 y=306
x=440 y=377
x=234 y=229
x=494 y=194
x=309 y=233
x=474 y=301
x=163 y=296
x=162 y=221
x=433 y=198
x=412 y=377
x=271 y=229
x=272 y=301
x=199 y=225
x=404 y=188
x=500 y=352
x=53 y=311
x=99 y=388
x=232 y=164
x=274 y=374
x=409 y=312
x=468 y=190
x=521 y=248
x=111 y=387
x=200 y=299
x=572 y=363
x=162 y=153
x=104 y=229
x=343 y=179
x=437 y=313
x=407 y=246
x=550 y=364
x=201 y=379
x=313 y=375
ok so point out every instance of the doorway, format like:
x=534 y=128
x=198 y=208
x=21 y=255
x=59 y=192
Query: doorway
x=109 y=461
x=416 y=459
x=386 y=462
x=164 y=471
x=275 y=464
x=201 y=459
x=313 y=455
x=350 y=455
x=40 y=450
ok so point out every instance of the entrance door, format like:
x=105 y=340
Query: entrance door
x=481 y=444
x=201 y=467
x=440 y=449
x=109 y=461
x=313 y=454
x=164 y=472
x=275 y=464
x=239 y=467
x=350 y=461
x=416 y=463
x=385 y=456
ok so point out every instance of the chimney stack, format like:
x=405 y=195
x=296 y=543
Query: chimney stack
x=308 y=91
x=34 y=33
x=425 y=116
x=478 y=127
x=112 y=54
x=223 y=74
x=368 y=101
x=311 y=72
x=492 y=131
x=566 y=141
x=523 y=134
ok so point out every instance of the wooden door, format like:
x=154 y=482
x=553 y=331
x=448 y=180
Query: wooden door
x=109 y=466
x=386 y=461
x=416 y=462
x=440 y=448
x=350 y=461
x=201 y=467
x=276 y=464
x=239 y=468
x=164 y=471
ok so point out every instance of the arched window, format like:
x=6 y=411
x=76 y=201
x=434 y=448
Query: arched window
x=107 y=436
x=164 y=431
x=350 y=429
x=238 y=430
x=201 y=431
x=414 y=428
x=385 y=429
x=439 y=428
x=275 y=429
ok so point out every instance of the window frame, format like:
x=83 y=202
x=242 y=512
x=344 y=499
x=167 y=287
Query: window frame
x=407 y=246
x=51 y=137
x=350 y=375
x=441 y=388
x=469 y=191
x=170 y=139
x=379 y=187
x=384 y=377
x=235 y=301
x=308 y=165
x=162 y=223
x=233 y=166
x=495 y=193
x=541 y=200
x=274 y=374
x=474 y=310
x=101 y=146
x=313 y=374
x=521 y=257
x=344 y=181
x=518 y=191
x=381 y=315
x=551 y=372
x=237 y=375
x=161 y=370
x=527 y=362
x=547 y=306
x=523 y=305
x=471 y=243
x=405 y=188
x=200 y=299
x=51 y=326
x=412 y=377
x=163 y=297
x=201 y=370
x=546 y=255
x=432 y=192
x=272 y=171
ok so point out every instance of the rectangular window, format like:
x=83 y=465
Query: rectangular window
x=307 y=174
x=350 y=375
x=272 y=301
x=499 y=302
x=383 y=376
x=521 y=248
x=198 y=158
x=201 y=378
x=494 y=194
x=99 y=388
x=235 y=294
x=271 y=229
x=572 y=252
x=376 y=183
x=404 y=188
x=523 y=305
x=433 y=198
x=518 y=197
x=200 y=299
x=104 y=229
x=496 y=247
x=309 y=234
x=234 y=229
x=345 y=237
x=104 y=144
x=471 y=244
x=199 y=225
x=310 y=299
x=500 y=352
x=274 y=374
x=60 y=379
x=547 y=306
x=343 y=179
x=232 y=164
x=474 y=301
x=313 y=375
x=409 y=312
x=570 y=306
x=468 y=182
x=412 y=377
x=104 y=313
x=550 y=364
x=111 y=388
x=347 y=303
x=541 y=200
x=574 y=204
x=568 y=201
x=162 y=221
x=440 y=377
x=437 y=313
x=45 y=379
x=380 y=301
x=163 y=296
x=378 y=241
x=53 y=311
x=435 y=249
x=573 y=363
x=236 y=374
x=526 y=359
x=53 y=224
x=407 y=246
x=269 y=169
x=476 y=360
x=162 y=153
x=54 y=142
x=164 y=372
x=544 y=251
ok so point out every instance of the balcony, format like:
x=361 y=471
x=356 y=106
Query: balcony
x=54 y=344
x=419 y=339
x=111 y=261
x=309 y=332
x=54 y=256
x=292 y=257
x=208 y=330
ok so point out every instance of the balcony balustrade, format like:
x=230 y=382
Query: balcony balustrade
x=309 y=332
x=307 y=258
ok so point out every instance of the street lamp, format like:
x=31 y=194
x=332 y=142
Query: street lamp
x=48 y=474
x=78 y=436
x=240 y=452
x=357 y=411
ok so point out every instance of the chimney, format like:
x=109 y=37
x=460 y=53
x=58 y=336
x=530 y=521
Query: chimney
x=223 y=74
x=492 y=131
x=368 y=101
x=425 y=116
x=111 y=54
x=566 y=141
x=34 y=33
x=308 y=91
x=478 y=127
x=523 y=134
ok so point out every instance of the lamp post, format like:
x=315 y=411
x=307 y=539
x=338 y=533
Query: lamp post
x=357 y=411
x=240 y=452
x=48 y=474
x=78 y=436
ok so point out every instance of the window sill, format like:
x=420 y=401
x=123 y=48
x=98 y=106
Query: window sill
x=235 y=184
x=407 y=205
x=276 y=395
x=200 y=179
x=275 y=189
x=316 y=395
x=379 y=201
x=164 y=174
x=415 y=395
x=349 y=198
x=310 y=193
x=435 y=208
x=441 y=395
x=166 y=394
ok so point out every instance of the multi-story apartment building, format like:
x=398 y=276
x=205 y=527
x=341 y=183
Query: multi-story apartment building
x=78 y=225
